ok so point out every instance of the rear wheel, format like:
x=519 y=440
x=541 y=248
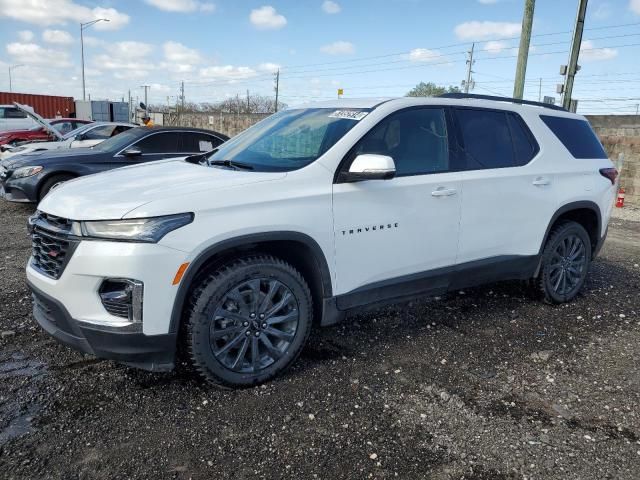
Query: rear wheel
x=53 y=182
x=248 y=321
x=565 y=262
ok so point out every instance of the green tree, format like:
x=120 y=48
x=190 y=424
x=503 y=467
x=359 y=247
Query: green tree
x=430 y=90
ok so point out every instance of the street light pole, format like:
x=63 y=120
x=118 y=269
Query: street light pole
x=82 y=27
x=11 y=67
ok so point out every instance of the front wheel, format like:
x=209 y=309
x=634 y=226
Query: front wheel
x=248 y=321
x=565 y=262
x=53 y=182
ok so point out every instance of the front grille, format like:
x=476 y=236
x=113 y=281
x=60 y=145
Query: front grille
x=51 y=244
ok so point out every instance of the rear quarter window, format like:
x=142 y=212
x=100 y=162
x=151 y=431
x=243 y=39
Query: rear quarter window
x=576 y=135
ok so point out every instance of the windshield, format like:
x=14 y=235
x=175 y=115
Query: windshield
x=78 y=130
x=290 y=139
x=118 y=141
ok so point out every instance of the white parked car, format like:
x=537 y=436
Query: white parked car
x=14 y=118
x=84 y=136
x=311 y=213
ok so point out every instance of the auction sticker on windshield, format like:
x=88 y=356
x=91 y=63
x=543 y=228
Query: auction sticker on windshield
x=349 y=114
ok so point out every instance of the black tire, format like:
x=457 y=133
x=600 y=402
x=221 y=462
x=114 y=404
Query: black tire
x=223 y=328
x=565 y=262
x=52 y=182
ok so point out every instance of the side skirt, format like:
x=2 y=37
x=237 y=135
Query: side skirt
x=430 y=283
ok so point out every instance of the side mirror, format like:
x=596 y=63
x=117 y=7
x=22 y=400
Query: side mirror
x=80 y=137
x=369 y=166
x=132 y=152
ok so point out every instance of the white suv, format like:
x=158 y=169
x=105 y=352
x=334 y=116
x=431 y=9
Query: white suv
x=311 y=213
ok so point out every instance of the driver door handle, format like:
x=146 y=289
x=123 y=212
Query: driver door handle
x=443 y=192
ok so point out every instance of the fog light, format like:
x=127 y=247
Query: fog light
x=123 y=298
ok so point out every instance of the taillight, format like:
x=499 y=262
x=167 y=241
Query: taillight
x=610 y=173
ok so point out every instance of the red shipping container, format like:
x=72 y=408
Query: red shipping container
x=47 y=106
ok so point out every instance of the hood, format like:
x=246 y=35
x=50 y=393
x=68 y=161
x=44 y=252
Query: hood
x=45 y=157
x=111 y=195
x=38 y=119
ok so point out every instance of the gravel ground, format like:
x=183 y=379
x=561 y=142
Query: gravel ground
x=483 y=384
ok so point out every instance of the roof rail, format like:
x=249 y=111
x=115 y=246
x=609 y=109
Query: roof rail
x=502 y=99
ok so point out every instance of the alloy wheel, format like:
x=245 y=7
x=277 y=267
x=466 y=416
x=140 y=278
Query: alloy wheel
x=568 y=264
x=253 y=325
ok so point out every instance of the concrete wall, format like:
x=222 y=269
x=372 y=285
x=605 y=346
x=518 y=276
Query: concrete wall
x=621 y=134
x=228 y=123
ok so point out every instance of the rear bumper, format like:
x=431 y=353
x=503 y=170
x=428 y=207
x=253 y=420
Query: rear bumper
x=148 y=352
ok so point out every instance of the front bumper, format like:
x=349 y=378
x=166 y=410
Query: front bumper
x=149 y=352
x=22 y=190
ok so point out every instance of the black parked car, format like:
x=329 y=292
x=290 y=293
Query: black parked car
x=29 y=177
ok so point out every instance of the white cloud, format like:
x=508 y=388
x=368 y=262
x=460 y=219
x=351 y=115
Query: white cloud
x=268 y=67
x=488 y=2
x=602 y=11
x=634 y=6
x=178 y=53
x=338 y=48
x=423 y=55
x=476 y=30
x=130 y=59
x=25 y=35
x=93 y=41
x=182 y=6
x=495 y=46
x=57 y=36
x=331 y=7
x=34 y=54
x=589 y=53
x=227 y=72
x=267 y=18
x=60 y=12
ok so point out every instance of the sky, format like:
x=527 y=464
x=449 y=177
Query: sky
x=369 y=48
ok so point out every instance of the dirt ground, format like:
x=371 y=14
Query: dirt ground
x=487 y=383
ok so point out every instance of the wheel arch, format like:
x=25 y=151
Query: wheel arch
x=298 y=249
x=52 y=174
x=586 y=213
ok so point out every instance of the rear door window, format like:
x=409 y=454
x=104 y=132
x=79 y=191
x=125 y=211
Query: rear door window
x=524 y=145
x=10 y=112
x=198 y=142
x=486 y=138
x=99 y=133
x=163 y=142
x=576 y=135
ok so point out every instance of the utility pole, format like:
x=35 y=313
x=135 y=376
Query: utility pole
x=523 y=51
x=540 y=90
x=146 y=105
x=637 y=108
x=248 y=106
x=468 y=83
x=129 y=108
x=277 y=88
x=572 y=68
x=182 y=96
x=11 y=67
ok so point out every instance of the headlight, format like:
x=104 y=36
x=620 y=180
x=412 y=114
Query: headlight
x=26 y=172
x=136 y=230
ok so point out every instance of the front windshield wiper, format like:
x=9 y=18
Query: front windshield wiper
x=232 y=164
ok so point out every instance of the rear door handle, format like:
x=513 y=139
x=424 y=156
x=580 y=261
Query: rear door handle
x=443 y=192
x=541 y=181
